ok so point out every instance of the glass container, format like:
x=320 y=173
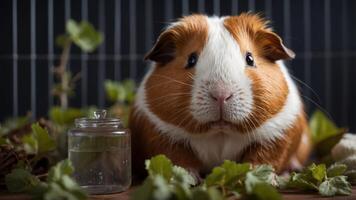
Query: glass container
x=100 y=151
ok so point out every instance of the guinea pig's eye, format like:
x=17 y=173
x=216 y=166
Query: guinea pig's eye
x=192 y=60
x=249 y=59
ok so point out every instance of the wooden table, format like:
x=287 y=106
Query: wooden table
x=287 y=195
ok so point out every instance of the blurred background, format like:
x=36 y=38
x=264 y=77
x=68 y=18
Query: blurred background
x=321 y=32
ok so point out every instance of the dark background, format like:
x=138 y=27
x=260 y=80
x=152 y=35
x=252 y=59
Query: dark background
x=321 y=32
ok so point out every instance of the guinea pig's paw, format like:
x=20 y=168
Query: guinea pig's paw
x=345 y=148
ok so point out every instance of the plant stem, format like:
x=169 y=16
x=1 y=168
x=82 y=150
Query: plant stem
x=63 y=76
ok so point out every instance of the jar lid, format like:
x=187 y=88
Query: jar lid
x=98 y=121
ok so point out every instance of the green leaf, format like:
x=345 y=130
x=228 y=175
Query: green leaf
x=12 y=124
x=302 y=181
x=44 y=141
x=227 y=174
x=336 y=169
x=260 y=174
x=20 y=180
x=335 y=185
x=3 y=141
x=144 y=191
x=318 y=171
x=30 y=144
x=64 y=116
x=264 y=191
x=115 y=91
x=182 y=176
x=84 y=35
x=62 y=168
x=206 y=194
x=160 y=165
x=322 y=128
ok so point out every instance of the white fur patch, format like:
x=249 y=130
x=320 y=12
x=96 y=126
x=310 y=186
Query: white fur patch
x=214 y=147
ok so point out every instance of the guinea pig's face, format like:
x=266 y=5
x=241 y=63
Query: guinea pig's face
x=217 y=74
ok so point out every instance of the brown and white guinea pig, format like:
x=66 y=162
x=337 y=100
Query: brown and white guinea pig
x=218 y=90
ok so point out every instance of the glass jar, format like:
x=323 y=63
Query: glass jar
x=100 y=151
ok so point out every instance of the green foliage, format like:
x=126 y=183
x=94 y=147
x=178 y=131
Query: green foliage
x=120 y=91
x=20 y=180
x=167 y=181
x=39 y=141
x=83 y=34
x=59 y=184
x=325 y=134
x=328 y=182
x=65 y=116
x=12 y=124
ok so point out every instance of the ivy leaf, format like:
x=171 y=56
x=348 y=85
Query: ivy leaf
x=335 y=185
x=13 y=123
x=39 y=141
x=227 y=174
x=84 y=35
x=318 y=171
x=301 y=181
x=322 y=127
x=336 y=169
x=182 y=176
x=64 y=116
x=20 y=180
x=62 y=168
x=264 y=191
x=260 y=174
x=160 y=165
x=115 y=91
x=211 y=193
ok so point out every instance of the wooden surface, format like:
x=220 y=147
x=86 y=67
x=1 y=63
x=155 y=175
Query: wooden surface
x=287 y=195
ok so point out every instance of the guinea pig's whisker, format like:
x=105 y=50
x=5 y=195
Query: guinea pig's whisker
x=307 y=86
x=170 y=95
x=169 y=78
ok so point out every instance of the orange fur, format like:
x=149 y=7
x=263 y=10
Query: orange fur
x=168 y=92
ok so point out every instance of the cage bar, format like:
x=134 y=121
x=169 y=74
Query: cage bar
x=307 y=50
x=234 y=7
x=101 y=69
x=33 y=59
x=50 y=49
x=345 y=62
x=15 y=103
x=327 y=60
x=132 y=47
x=117 y=38
x=84 y=60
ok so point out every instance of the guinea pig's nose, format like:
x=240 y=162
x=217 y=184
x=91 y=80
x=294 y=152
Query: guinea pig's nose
x=220 y=95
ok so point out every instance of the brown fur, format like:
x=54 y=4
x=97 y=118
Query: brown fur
x=168 y=92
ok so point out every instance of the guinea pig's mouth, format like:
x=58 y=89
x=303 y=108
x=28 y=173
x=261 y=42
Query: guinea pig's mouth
x=221 y=124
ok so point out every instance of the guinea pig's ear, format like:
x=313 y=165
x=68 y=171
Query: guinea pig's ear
x=164 y=49
x=272 y=46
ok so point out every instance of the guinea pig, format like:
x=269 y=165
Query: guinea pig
x=218 y=90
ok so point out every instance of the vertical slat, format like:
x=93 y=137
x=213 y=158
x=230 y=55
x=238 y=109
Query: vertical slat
x=201 y=6
x=50 y=49
x=33 y=59
x=234 y=7
x=132 y=22
x=345 y=63
x=168 y=10
x=117 y=36
x=307 y=49
x=101 y=69
x=185 y=7
x=251 y=5
x=216 y=7
x=84 y=60
x=327 y=54
x=148 y=27
x=268 y=8
x=66 y=18
x=15 y=60
x=287 y=28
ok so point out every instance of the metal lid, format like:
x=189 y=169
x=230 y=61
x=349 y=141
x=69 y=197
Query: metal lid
x=98 y=121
